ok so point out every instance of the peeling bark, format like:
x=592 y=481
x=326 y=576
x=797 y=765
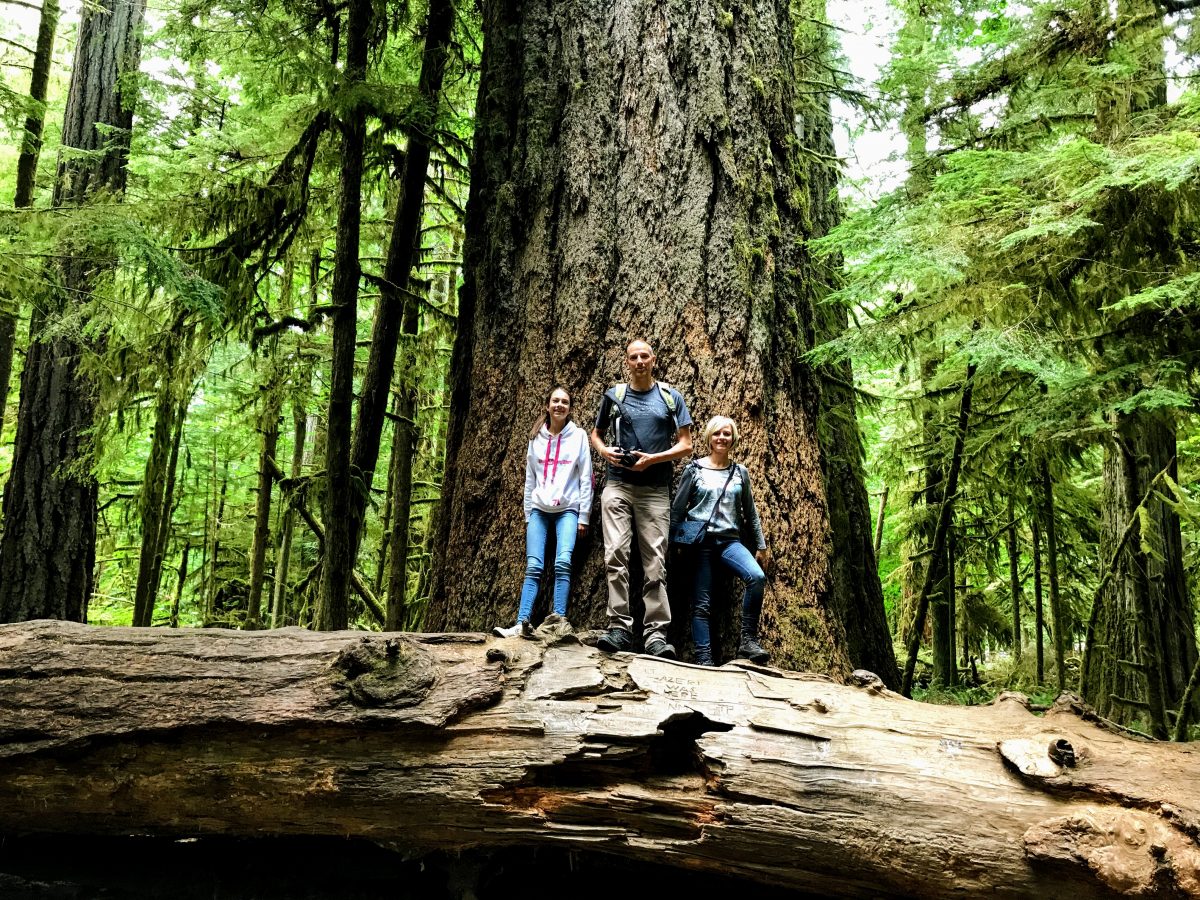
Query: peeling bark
x=456 y=741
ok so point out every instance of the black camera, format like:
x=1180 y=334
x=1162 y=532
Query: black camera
x=627 y=457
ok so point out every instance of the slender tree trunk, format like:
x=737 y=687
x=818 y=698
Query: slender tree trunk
x=27 y=163
x=945 y=514
x=283 y=566
x=180 y=579
x=406 y=441
x=151 y=506
x=169 y=502
x=262 y=511
x=396 y=312
x=1014 y=577
x=879 y=520
x=48 y=548
x=333 y=607
x=31 y=140
x=953 y=613
x=1056 y=610
x=1039 y=618
x=637 y=171
x=210 y=606
x=385 y=523
x=8 y=347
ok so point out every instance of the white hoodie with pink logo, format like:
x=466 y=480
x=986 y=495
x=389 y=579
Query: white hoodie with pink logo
x=558 y=472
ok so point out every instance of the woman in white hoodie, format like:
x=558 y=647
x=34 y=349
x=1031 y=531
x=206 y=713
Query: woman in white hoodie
x=558 y=499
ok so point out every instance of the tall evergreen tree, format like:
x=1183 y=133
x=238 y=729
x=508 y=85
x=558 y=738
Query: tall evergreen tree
x=48 y=546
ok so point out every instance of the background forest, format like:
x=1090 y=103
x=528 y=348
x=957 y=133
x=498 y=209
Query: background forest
x=230 y=279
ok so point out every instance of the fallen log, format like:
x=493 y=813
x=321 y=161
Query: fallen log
x=458 y=740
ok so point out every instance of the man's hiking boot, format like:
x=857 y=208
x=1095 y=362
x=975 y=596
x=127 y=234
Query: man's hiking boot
x=702 y=656
x=656 y=646
x=615 y=640
x=749 y=649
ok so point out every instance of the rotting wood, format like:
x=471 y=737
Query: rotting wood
x=459 y=740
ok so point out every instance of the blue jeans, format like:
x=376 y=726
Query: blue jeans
x=733 y=555
x=537 y=530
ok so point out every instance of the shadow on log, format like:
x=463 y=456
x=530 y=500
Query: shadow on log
x=449 y=742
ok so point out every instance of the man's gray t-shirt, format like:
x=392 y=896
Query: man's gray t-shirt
x=646 y=424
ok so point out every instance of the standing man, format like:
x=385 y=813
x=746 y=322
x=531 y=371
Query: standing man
x=651 y=429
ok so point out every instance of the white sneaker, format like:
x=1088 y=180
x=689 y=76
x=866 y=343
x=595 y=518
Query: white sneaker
x=511 y=631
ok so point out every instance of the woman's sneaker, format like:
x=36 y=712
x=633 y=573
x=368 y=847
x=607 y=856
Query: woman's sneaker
x=522 y=629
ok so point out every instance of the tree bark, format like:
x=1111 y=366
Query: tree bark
x=637 y=172
x=48 y=548
x=455 y=741
x=342 y=482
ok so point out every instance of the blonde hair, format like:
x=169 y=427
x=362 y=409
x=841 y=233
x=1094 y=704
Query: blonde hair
x=716 y=423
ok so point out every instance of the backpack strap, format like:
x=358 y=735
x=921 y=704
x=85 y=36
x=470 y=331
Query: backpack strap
x=668 y=397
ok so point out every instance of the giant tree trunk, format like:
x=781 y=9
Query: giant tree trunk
x=1106 y=680
x=455 y=741
x=637 y=174
x=48 y=548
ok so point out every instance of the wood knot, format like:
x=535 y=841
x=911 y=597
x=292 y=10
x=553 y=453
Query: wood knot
x=1061 y=752
x=394 y=672
x=866 y=679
